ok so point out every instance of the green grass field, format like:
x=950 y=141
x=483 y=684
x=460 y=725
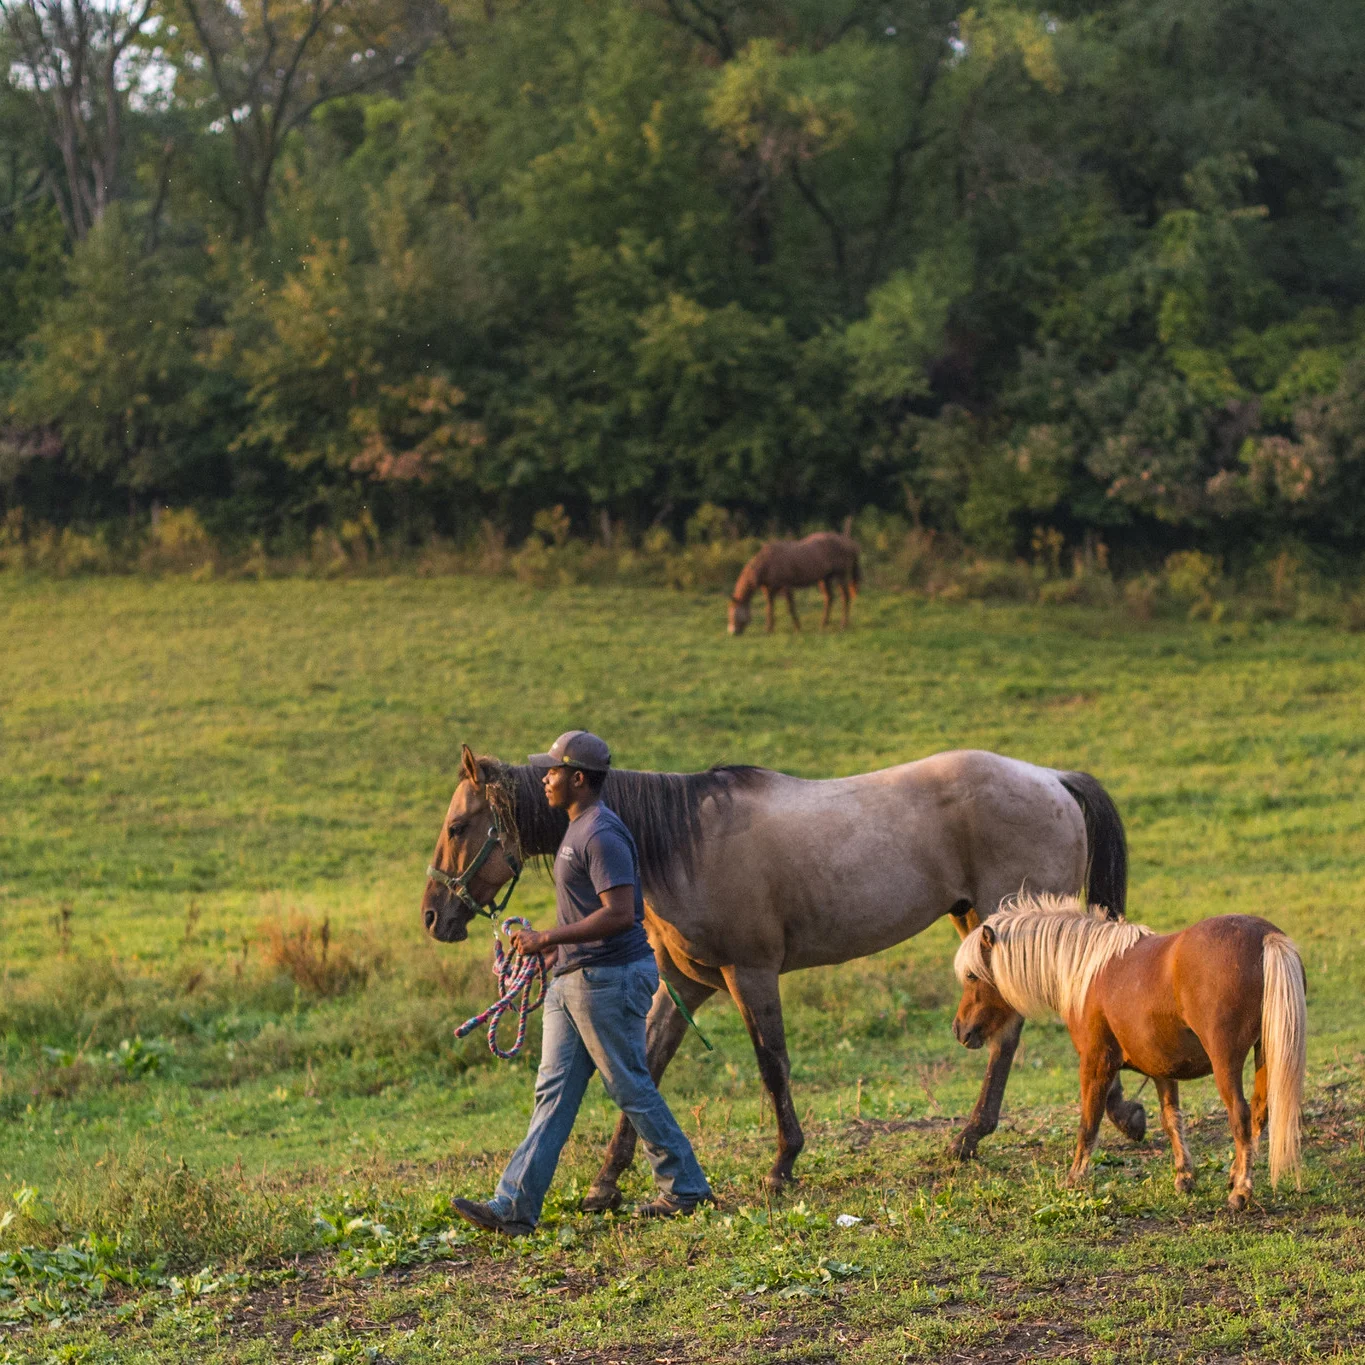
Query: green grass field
x=249 y=1150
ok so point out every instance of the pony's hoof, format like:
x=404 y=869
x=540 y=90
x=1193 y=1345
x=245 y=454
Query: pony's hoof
x=600 y=1198
x=1184 y=1184
x=775 y=1182
x=1132 y=1122
x=1237 y=1200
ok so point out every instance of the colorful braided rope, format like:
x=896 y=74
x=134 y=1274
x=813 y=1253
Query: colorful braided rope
x=516 y=977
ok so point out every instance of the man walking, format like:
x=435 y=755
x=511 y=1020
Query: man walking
x=604 y=980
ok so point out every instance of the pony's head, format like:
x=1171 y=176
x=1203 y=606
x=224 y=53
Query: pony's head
x=983 y=1011
x=468 y=824
x=739 y=615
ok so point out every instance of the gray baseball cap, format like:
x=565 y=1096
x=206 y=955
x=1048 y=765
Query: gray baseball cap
x=575 y=749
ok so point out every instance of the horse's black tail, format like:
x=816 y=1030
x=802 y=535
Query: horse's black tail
x=1106 y=845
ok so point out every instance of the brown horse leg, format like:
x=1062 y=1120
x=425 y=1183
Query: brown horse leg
x=1227 y=1076
x=847 y=595
x=984 y=1117
x=1260 y=1102
x=1098 y=1068
x=1173 y=1121
x=791 y=607
x=664 y=1030
x=1128 y=1116
x=755 y=992
x=768 y=597
x=829 y=603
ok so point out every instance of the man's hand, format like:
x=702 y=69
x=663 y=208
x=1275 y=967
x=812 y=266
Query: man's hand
x=530 y=941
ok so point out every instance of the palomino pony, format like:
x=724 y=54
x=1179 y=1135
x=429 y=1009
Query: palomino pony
x=781 y=565
x=1170 y=1006
x=750 y=873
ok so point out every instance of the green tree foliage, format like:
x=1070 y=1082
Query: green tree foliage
x=1097 y=266
x=113 y=368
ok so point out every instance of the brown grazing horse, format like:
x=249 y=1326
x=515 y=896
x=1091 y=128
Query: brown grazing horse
x=781 y=565
x=1169 y=1006
x=750 y=873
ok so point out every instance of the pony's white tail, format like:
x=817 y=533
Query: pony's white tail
x=1284 y=1024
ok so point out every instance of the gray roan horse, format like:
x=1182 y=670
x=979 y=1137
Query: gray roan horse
x=749 y=873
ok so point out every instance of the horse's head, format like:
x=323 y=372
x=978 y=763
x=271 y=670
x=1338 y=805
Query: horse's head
x=982 y=1012
x=468 y=827
x=739 y=615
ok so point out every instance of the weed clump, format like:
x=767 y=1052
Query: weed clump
x=158 y=1210
x=304 y=950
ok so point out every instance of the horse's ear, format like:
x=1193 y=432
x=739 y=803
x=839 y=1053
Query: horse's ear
x=469 y=766
x=965 y=922
x=988 y=936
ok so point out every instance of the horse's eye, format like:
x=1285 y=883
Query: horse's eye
x=971 y=976
x=458 y=828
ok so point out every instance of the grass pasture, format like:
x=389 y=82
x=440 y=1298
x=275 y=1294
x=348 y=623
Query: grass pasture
x=227 y=1083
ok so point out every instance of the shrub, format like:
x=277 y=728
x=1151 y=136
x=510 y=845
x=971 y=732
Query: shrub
x=178 y=543
x=1192 y=579
x=1141 y=595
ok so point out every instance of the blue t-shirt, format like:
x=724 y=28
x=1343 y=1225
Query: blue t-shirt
x=597 y=853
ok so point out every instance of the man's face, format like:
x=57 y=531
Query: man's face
x=562 y=785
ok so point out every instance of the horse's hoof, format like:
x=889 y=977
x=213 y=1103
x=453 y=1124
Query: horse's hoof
x=601 y=1198
x=1237 y=1200
x=963 y=1146
x=1132 y=1122
x=775 y=1182
x=1184 y=1183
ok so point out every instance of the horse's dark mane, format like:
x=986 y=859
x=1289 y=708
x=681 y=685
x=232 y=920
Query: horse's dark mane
x=661 y=810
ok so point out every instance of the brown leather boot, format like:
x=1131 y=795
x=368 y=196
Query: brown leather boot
x=484 y=1217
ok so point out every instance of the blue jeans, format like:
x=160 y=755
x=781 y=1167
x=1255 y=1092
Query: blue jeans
x=595 y=1021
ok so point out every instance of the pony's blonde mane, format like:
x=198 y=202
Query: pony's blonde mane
x=1047 y=951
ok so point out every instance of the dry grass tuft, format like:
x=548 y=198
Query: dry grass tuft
x=308 y=953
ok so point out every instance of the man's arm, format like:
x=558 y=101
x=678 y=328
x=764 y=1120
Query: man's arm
x=613 y=916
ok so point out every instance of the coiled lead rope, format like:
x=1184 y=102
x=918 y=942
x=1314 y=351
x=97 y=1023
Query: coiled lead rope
x=516 y=978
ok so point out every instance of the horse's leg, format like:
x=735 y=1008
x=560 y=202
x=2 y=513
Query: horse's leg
x=984 y=1117
x=1260 y=1102
x=847 y=595
x=755 y=992
x=1128 y=1116
x=1227 y=1076
x=768 y=597
x=664 y=1030
x=1173 y=1121
x=1098 y=1066
x=829 y=602
x=791 y=607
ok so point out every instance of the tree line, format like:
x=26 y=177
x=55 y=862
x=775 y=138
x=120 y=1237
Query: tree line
x=1097 y=267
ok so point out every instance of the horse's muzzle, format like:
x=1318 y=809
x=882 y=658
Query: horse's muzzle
x=445 y=926
x=967 y=1037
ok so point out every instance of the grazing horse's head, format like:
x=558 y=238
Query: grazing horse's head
x=468 y=824
x=983 y=1011
x=739 y=616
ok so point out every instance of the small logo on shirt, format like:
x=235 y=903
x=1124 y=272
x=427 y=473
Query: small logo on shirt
x=565 y=851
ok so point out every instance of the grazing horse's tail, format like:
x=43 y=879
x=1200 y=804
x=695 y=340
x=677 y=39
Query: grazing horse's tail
x=1106 y=846
x=1284 y=1026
